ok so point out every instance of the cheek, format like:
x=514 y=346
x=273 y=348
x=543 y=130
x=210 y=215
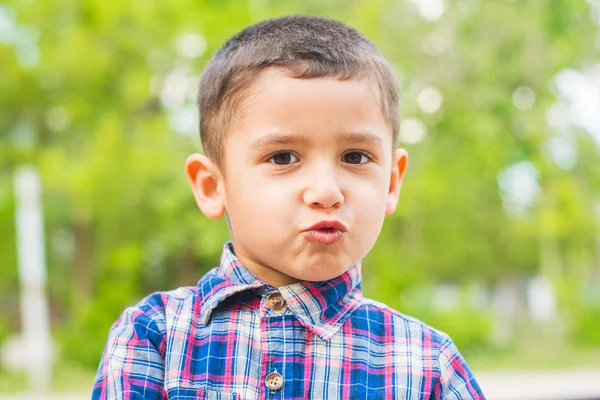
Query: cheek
x=369 y=205
x=371 y=192
x=264 y=197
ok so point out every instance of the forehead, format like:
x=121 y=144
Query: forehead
x=317 y=109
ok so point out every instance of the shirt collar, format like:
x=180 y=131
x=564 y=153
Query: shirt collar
x=322 y=307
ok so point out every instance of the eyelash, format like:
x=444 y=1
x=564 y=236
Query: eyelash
x=367 y=155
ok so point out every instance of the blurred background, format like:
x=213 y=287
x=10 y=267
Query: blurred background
x=497 y=236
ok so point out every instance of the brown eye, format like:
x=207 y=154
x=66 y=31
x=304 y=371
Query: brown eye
x=283 y=158
x=355 y=157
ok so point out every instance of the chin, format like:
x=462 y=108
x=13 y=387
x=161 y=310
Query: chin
x=318 y=276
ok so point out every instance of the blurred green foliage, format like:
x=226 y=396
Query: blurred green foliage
x=586 y=329
x=87 y=97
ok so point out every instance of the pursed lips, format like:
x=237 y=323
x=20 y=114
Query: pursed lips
x=326 y=232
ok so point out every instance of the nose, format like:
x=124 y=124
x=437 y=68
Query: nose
x=323 y=189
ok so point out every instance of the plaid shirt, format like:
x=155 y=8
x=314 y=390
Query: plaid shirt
x=235 y=337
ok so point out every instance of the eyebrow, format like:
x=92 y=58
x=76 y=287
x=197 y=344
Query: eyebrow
x=361 y=138
x=278 y=138
x=294 y=139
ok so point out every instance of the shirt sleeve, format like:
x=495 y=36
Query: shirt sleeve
x=132 y=364
x=456 y=380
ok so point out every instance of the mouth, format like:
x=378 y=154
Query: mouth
x=326 y=232
x=328 y=225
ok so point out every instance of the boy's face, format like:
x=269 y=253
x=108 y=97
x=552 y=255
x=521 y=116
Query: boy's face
x=303 y=151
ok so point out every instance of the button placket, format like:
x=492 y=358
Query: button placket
x=274 y=320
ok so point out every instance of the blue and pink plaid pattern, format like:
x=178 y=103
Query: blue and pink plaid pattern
x=220 y=340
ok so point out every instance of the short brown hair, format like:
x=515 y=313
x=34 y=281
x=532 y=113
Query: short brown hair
x=306 y=47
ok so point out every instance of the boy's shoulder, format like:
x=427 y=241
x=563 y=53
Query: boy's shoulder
x=403 y=325
x=158 y=310
x=377 y=306
x=179 y=305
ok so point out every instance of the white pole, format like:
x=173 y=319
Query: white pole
x=32 y=274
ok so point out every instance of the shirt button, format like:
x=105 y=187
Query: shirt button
x=276 y=301
x=274 y=381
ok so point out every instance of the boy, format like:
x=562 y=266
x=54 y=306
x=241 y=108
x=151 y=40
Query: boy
x=299 y=124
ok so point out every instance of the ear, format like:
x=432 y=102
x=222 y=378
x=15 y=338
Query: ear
x=398 y=169
x=207 y=184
